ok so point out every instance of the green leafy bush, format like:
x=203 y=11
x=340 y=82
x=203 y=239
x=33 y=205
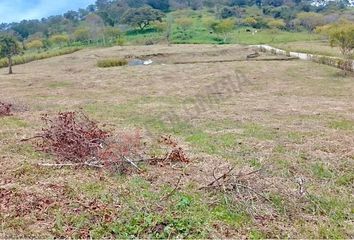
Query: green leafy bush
x=105 y=63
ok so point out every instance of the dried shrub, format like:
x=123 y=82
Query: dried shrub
x=261 y=195
x=72 y=137
x=176 y=153
x=75 y=140
x=105 y=63
x=122 y=151
x=5 y=109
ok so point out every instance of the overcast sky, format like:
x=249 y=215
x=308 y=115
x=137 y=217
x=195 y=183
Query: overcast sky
x=17 y=10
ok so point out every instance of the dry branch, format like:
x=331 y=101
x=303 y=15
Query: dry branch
x=59 y=165
x=174 y=189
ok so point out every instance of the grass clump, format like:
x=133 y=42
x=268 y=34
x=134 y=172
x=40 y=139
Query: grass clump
x=105 y=63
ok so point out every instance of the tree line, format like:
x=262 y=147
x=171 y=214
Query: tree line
x=115 y=12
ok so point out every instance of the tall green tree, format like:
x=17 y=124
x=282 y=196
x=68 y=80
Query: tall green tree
x=141 y=17
x=8 y=48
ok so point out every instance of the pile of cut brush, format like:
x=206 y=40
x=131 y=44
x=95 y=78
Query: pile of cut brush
x=5 y=109
x=75 y=140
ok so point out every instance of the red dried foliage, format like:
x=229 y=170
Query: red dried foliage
x=75 y=140
x=72 y=136
x=176 y=153
x=122 y=148
x=16 y=203
x=21 y=204
x=5 y=109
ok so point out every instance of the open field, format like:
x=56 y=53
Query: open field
x=290 y=124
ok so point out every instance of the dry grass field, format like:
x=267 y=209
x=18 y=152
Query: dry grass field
x=285 y=127
x=312 y=47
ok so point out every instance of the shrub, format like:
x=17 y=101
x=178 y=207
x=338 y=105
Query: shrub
x=184 y=23
x=227 y=12
x=340 y=34
x=82 y=34
x=5 y=109
x=249 y=21
x=105 y=63
x=35 y=44
x=160 y=26
x=71 y=137
x=120 y=41
x=75 y=140
x=59 y=39
x=222 y=28
x=310 y=20
x=276 y=24
x=122 y=151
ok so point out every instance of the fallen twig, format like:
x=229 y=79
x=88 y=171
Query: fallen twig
x=219 y=178
x=31 y=138
x=254 y=191
x=69 y=165
x=173 y=190
x=132 y=163
x=247 y=174
x=238 y=176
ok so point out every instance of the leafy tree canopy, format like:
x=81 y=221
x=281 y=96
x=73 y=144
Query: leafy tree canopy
x=142 y=17
x=341 y=35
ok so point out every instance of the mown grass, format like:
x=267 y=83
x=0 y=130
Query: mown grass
x=282 y=134
x=209 y=137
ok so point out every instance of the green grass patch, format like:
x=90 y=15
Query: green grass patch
x=61 y=84
x=320 y=171
x=346 y=179
x=344 y=124
x=113 y=62
x=232 y=216
x=12 y=122
x=258 y=131
x=337 y=209
x=30 y=56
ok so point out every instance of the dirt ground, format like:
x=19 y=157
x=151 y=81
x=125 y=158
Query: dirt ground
x=285 y=126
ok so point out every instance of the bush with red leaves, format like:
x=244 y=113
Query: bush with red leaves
x=5 y=109
x=72 y=137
